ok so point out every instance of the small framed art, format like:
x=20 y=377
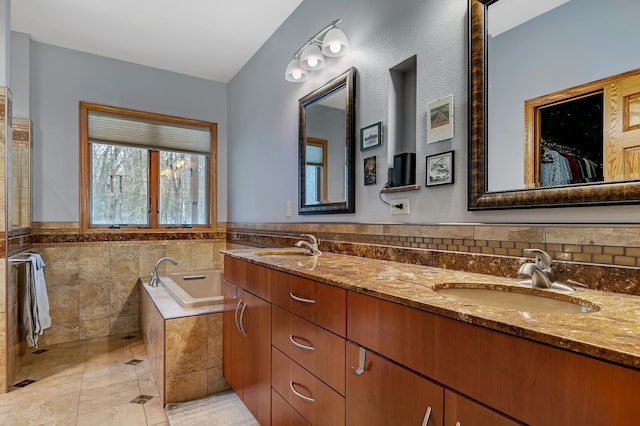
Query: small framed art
x=440 y=169
x=440 y=119
x=371 y=136
x=370 y=170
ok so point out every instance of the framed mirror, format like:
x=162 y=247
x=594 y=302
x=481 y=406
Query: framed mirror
x=326 y=147
x=530 y=63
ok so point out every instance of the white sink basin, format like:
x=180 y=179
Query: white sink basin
x=515 y=298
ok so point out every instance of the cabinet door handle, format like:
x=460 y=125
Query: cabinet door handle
x=299 y=345
x=300 y=299
x=299 y=395
x=242 y=330
x=361 y=362
x=426 y=417
x=235 y=316
x=457 y=423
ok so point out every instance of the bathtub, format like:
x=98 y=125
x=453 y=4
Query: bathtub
x=196 y=288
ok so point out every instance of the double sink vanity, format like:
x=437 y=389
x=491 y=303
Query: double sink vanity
x=333 y=339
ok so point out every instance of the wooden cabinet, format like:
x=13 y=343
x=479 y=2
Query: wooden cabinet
x=304 y=392
x=314 y=348
x=319 y=303
x=283 y=414
x=231 y=338
x=308 y=323
x=527 y=381
x=461 y=411
x=247 y=347
x=385 y=393
x=291 y=365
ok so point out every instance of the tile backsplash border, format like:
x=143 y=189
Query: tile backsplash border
x=604 y=257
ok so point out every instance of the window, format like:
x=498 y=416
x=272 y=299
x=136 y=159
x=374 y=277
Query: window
x=316 y=173
x=142 y=170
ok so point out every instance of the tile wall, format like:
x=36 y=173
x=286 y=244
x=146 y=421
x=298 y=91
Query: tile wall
x=185 y=353
x=92 y=285
x=604 y=257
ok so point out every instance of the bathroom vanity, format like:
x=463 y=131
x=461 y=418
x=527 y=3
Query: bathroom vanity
x=346 y=340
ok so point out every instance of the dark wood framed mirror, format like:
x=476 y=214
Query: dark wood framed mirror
x=326 y=147
x=542 y=61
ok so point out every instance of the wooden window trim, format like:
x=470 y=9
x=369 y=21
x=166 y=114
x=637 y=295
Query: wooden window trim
x=325 y=163
x=85 y=171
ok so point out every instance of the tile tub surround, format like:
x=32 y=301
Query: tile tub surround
x=603 y=257
x=610 y=334
x=184 y=345
x=92 y=285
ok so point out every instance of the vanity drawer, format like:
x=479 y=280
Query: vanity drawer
x=316 y=349
x=282 y=414
x=319 y=303
x=253 y=278
x=309 y=396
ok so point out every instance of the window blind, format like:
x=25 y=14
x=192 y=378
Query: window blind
x=116 y=129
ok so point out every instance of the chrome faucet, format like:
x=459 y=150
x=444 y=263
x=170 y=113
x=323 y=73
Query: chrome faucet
x=312 y=246
x=541 y=270
x=153 y=281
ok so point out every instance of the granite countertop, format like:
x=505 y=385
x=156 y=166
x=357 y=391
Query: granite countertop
x=611 y=333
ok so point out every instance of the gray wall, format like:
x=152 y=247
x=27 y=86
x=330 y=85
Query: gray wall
x=61 y=78
x=263 y=116
x=20 y=66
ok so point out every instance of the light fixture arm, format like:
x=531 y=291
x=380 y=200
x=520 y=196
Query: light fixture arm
x=317 y=39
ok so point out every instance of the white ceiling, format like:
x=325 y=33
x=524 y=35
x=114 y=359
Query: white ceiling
x=211 y=39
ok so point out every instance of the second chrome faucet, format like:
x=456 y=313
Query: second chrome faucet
x=312 y=245
x=541 y=272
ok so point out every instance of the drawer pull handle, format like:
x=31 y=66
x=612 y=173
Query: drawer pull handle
x=426 y=417
x=242 y=330
x=299 y=345
x=457 y=423
x=299 y=395
x=235 y=315
x=361 y=362
x=300 y=299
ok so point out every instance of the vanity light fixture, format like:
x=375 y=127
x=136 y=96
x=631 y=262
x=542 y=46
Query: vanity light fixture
x=331 y=41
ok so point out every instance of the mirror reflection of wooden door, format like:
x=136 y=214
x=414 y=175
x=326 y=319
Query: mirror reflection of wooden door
x=317 y=165
x=622 y=137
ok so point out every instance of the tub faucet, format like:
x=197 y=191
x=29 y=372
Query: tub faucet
x=541 y=270
x=153 y=281
x=312 y=246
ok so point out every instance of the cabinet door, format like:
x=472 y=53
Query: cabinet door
x=388 y=394
x=231 y=337
x=255 y=321
x=622 y=129
x=461 y=411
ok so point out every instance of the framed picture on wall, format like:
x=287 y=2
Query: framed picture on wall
x=440 y=119
x=440 y=169
x=370 y=170
x=371 y=136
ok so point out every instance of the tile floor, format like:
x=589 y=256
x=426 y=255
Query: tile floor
x=103 y=381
